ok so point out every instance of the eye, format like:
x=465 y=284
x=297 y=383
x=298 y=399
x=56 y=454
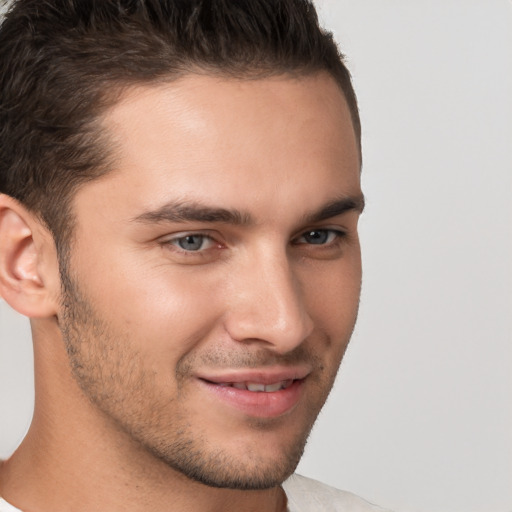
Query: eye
x=320 y=237
x=192 y=242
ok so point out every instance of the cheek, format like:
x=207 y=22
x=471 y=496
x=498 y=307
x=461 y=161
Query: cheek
x=332 y=294
x=159 y=307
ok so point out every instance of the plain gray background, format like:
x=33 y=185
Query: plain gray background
x=421 y=417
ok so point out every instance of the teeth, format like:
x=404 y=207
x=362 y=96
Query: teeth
x=274 y=387
x=255 y=386
x=258 y=387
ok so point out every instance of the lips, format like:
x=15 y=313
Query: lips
x=262 y=394
x=259 y=387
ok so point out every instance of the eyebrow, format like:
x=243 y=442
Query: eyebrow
x=337 y=207
x=192 y=211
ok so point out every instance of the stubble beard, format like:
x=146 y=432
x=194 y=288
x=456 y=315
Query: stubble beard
x=114 y=378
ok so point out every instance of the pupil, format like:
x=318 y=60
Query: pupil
x=191 y=242
x=316 y=237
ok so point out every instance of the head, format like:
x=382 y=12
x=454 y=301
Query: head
x=64 y=65
x=196 y=164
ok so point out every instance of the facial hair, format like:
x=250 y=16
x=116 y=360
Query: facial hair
x=118 y=380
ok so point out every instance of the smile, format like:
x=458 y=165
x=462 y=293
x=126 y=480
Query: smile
x=259 y=387
x=267 y=396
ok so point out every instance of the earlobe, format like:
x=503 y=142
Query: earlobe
x=23 y=283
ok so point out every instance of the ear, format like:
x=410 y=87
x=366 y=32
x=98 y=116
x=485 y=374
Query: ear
x=29 y=274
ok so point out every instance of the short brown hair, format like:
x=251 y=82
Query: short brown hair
x=61 y=62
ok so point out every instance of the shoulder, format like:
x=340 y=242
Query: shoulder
x=307 y=495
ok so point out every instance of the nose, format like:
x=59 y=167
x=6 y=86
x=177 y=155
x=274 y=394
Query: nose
x=266 y=304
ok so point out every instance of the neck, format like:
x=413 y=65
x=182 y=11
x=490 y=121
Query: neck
x=53 y=472
x=73 y=459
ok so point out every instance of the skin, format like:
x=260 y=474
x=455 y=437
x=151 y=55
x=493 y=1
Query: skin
x=124 y=417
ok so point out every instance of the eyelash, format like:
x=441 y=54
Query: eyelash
x=174 y=241
x=335 y=236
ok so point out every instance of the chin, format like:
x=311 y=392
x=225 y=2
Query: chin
x=250 y=463
x=240 y=475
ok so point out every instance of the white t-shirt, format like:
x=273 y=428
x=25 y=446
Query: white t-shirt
x=307 y=495
x=6 y=507
x=304 y=495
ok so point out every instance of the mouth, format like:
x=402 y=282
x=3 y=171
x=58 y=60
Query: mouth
x=257 y=394
x=258 y=387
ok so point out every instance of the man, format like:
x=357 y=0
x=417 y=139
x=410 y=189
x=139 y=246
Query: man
x=179 y=197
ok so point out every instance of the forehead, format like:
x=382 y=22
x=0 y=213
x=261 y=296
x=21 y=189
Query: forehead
x=239 y=141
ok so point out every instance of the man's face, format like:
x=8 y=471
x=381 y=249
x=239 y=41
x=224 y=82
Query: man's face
x=215 y=273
